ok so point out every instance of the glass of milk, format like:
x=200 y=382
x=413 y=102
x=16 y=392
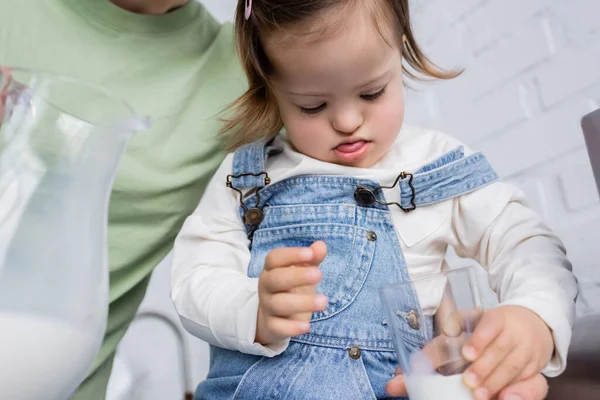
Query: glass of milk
x=430 y=318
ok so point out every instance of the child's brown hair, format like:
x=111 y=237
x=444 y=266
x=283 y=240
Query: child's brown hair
x=255 y=114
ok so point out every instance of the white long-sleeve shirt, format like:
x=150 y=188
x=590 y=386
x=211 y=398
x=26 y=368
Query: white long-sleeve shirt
x=526 y=263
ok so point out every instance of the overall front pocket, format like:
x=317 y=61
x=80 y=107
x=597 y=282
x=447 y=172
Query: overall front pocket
x=350 y=251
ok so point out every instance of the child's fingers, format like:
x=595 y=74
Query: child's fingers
x=288 y=256
x=288 y=304
x=491 y=358
x=461 y=321
x=283 y=328
x=285 y=279
x=437 y=352
x=319 y=249
x=396 y=386
x=487 y=330
x=444 y=354
x=509 y=370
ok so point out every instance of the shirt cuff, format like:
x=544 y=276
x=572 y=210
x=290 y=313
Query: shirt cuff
x=560 y=327
x=242 y=322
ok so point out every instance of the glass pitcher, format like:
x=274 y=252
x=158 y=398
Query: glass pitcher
x=60 y=143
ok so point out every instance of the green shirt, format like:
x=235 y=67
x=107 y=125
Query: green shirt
x=181 y=70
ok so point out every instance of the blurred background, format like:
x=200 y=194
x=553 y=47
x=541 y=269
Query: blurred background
x=532 y=70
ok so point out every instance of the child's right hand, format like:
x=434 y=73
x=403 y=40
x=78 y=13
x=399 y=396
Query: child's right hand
x=287 y=295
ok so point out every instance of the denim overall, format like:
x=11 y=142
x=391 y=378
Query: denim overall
x=348 y=353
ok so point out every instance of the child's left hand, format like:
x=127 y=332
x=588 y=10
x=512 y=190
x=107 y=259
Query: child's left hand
x=509 y=344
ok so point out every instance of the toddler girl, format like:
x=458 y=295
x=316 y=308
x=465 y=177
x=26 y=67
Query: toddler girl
x=328 y=196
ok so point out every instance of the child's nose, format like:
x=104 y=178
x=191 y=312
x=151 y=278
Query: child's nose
x=347 y=121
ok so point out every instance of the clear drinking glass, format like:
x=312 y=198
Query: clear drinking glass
x=60 y=143
x=428 y=339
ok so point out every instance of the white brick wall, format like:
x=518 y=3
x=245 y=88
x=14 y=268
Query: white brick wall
x=532 y=70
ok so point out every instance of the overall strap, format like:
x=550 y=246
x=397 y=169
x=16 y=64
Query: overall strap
x=449 y=176
x=249 y=165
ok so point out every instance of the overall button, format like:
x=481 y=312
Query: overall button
x=354 y=352
x=253 y=216
x=371 y=236
x=364 y=197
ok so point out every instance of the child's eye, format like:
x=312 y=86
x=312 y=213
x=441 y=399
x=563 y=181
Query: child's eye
x=373 y=96
x=313 y=110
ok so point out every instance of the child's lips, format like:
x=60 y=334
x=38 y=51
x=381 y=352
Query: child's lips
x=352 y=152
x=350 y=147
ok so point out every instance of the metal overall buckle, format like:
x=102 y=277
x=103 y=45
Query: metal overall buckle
x=253 y=216
x=365 y=196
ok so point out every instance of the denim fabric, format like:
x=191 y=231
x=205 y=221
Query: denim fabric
x=363 y=254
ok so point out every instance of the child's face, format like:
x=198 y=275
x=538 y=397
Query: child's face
x=341 y=98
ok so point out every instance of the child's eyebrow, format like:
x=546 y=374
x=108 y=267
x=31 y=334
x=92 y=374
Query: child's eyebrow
x=377 y=79
x=381 y=77
x=307 y=94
